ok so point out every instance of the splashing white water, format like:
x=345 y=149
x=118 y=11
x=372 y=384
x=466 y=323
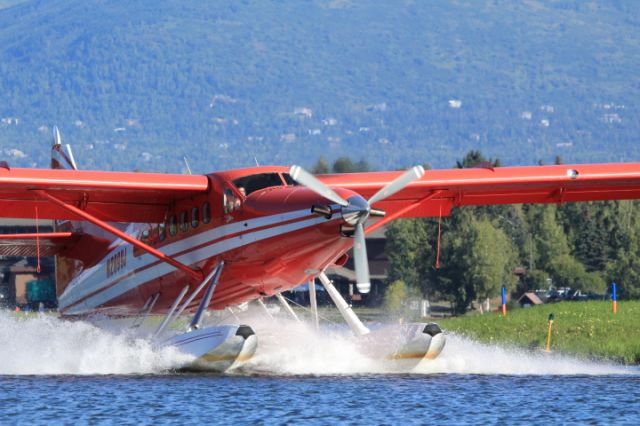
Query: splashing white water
x=46 y=345
x=464 y=356
x=287 y=347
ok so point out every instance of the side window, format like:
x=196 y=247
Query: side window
x=227 y=201
x=195 y=217
x=173 y=226
x=184 y=224
x=206 y=213
x=230 y=201
x=162 y=231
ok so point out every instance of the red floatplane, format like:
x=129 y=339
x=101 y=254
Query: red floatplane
x=130 y=245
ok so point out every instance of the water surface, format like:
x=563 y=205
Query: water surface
x=59 y=372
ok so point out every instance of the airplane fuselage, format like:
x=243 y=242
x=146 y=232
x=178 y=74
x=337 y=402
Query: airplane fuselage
x=269 y=240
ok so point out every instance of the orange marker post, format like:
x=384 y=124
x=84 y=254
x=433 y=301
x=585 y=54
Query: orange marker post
x=504 y=301
x=614 y=297
x=551 y=318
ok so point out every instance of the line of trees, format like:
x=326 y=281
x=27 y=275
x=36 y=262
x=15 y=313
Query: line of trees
x=583 y=246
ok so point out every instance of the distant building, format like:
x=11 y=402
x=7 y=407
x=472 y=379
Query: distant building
x=8 y=121
x=529 y=299
x=345 y=276
x=16 y=272
x=613 y=118
x=288 y=138
x=380 y=107
x=303 y=112
x=15 y=153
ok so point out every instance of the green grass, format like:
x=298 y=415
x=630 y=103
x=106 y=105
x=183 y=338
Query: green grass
x=581 y=328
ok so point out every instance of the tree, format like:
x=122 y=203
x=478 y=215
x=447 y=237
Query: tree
x=475 y=158
x=410 y=250
x=568 y=272
x=395 y=297
x=345 y=165
x=549 y=237
x=625 y=271
x=480 y=260
x=321 y=167
x=533 y=280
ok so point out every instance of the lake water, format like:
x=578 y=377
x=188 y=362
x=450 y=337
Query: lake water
x=58 y=372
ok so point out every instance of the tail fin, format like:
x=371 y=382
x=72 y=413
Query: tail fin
x=61 y=156
x=66 y=268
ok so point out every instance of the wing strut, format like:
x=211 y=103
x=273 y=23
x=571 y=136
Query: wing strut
x=196 y=274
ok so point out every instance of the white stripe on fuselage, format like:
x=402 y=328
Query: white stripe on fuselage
x=93 y=279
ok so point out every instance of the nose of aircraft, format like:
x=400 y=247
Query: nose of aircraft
x=358 y=209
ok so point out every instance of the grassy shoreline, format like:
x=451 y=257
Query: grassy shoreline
x=587 y=329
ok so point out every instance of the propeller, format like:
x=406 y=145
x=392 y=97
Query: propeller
x=305 y=178
x=355 y=212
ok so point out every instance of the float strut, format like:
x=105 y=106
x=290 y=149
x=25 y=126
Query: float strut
x=148 y=306
x=204 y=282
x=169 y=315
x=206 y=299
x=261 y=303
x=349 y=316
x=314 y=303
x=286 y=305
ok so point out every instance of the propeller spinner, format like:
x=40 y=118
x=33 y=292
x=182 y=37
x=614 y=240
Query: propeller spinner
x=355 y=212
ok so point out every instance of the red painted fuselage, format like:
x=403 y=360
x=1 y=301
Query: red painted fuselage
x=269 y=241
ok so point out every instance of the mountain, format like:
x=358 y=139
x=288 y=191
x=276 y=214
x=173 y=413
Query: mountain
x=140 y=84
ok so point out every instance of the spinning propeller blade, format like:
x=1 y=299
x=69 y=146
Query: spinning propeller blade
x=360 y=260
x=359 y=211
x=305 y=178
x=399 y=183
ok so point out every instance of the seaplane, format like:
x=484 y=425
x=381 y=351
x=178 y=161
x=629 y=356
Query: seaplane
x=167 y=249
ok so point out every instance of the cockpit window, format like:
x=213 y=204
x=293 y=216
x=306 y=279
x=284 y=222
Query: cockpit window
x=258 y=181
x=287 y=178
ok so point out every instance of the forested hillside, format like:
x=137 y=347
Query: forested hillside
x=139 y=84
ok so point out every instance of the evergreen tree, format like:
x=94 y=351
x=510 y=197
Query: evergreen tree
x=549 y=237
x=625 y=269
x=321 y=167
x=479 y=260
x=408 y=247
x=343 y=165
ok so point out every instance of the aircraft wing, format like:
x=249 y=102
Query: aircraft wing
x=440 y=190
x=109 y=196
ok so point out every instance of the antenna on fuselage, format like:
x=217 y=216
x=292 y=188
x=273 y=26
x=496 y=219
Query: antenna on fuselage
x=186 y=163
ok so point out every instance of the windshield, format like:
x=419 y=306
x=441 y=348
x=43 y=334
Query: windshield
x=252 y=183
